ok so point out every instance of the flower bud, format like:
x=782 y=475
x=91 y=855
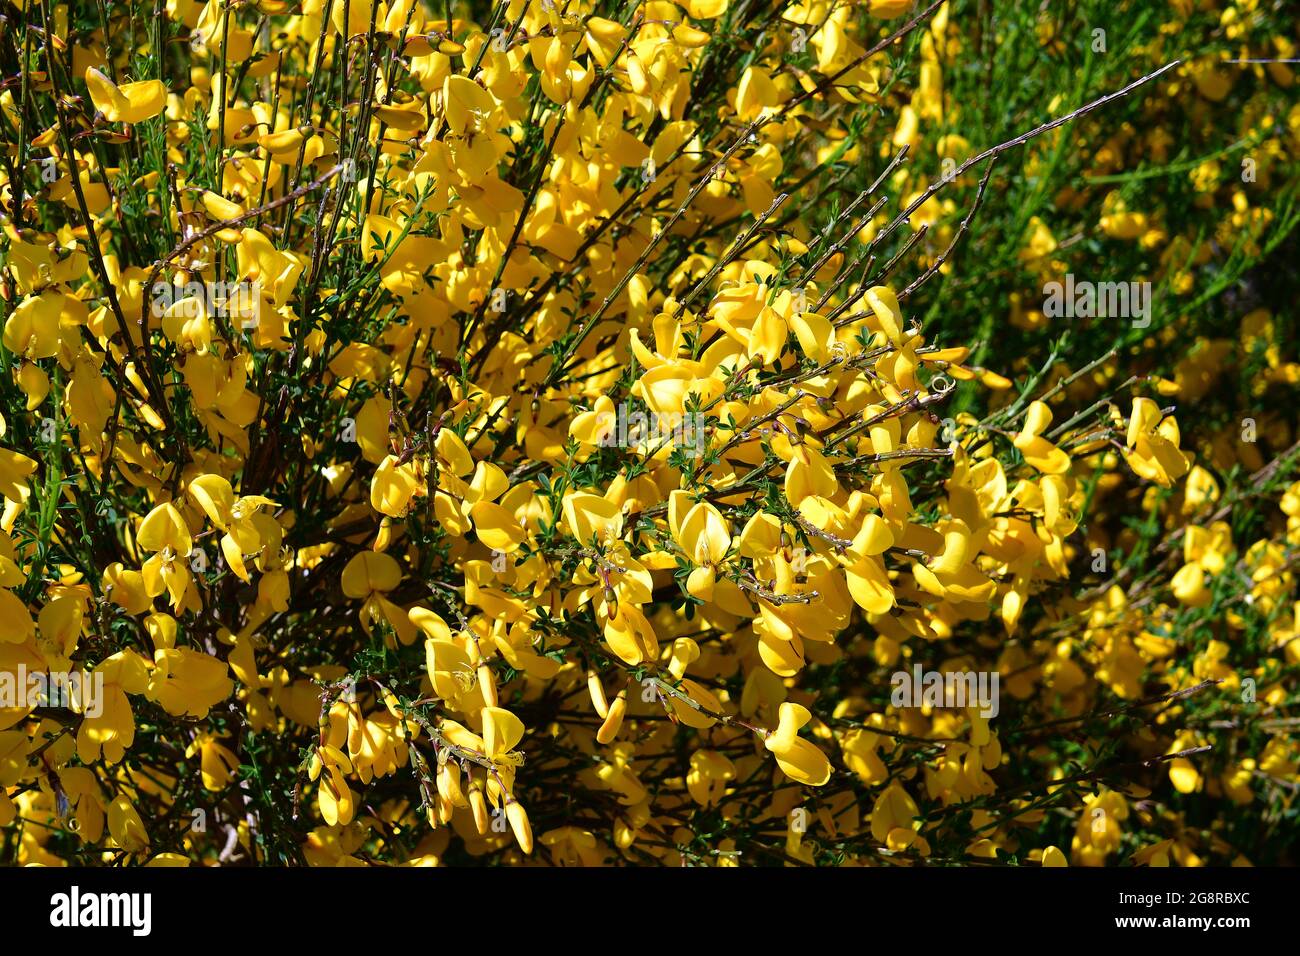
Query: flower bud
x=518 y=818
x=613 y=720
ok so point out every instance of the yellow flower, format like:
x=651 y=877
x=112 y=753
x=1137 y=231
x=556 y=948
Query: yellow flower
x=707 y=779
x=799 y=759
x=188 y=682
x=235 y=516
x=217 y=763
x=126 y=827
x=1038 y=451
x=1151 y=447
x=130 y=103
x=165 y=532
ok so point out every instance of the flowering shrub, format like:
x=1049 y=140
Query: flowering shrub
x=561 y=433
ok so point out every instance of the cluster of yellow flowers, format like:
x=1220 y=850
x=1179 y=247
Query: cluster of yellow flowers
x=440 y=439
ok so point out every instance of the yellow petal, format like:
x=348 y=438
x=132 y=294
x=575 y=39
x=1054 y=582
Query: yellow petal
x=497 y=527
x=502 y=730
x=368 y=572
x=162 y=528
x=464 y=102
x=215 y=496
